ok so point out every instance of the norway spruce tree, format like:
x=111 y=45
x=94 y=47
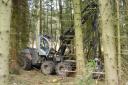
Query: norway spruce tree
x=5 y=15
x=108 y=42
x=80 y=61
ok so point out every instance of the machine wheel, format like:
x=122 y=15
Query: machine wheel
x=24 y=59
x=48 y=67
x=63 y=69
x=27 y=64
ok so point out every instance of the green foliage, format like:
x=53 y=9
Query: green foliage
x=91 y=63
x=90 y=66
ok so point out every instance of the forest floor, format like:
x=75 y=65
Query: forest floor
x=35 y=77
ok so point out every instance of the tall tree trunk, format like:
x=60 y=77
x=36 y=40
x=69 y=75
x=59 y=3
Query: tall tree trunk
x=13 y=41
x=51 y=19
x=19 y=31
x=118 y=40
x=37 y=32
x=24 y=23
x=60 y=15
x=38 y=23
x=108 y=42
x=126 y=6
x=5 y=15
x=41 y=29
x=80 y=61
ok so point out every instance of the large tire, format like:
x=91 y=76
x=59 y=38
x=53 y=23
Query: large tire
x=48 y=67
x=27 y=64
x=63 y=69
x=24 y=59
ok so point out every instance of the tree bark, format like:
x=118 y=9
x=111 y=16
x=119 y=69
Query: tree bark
x=5 y=16
x=38 y=24
x=41 y=29
x=60 y=16
x=108 y=42
x=13 y=40
x=118 y=41
x=80 y=61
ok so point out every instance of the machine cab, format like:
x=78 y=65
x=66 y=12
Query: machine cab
x=44 y=46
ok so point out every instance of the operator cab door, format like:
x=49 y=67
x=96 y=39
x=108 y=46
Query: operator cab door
x=44 y=46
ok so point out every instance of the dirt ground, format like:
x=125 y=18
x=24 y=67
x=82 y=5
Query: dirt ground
x=35 y=77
